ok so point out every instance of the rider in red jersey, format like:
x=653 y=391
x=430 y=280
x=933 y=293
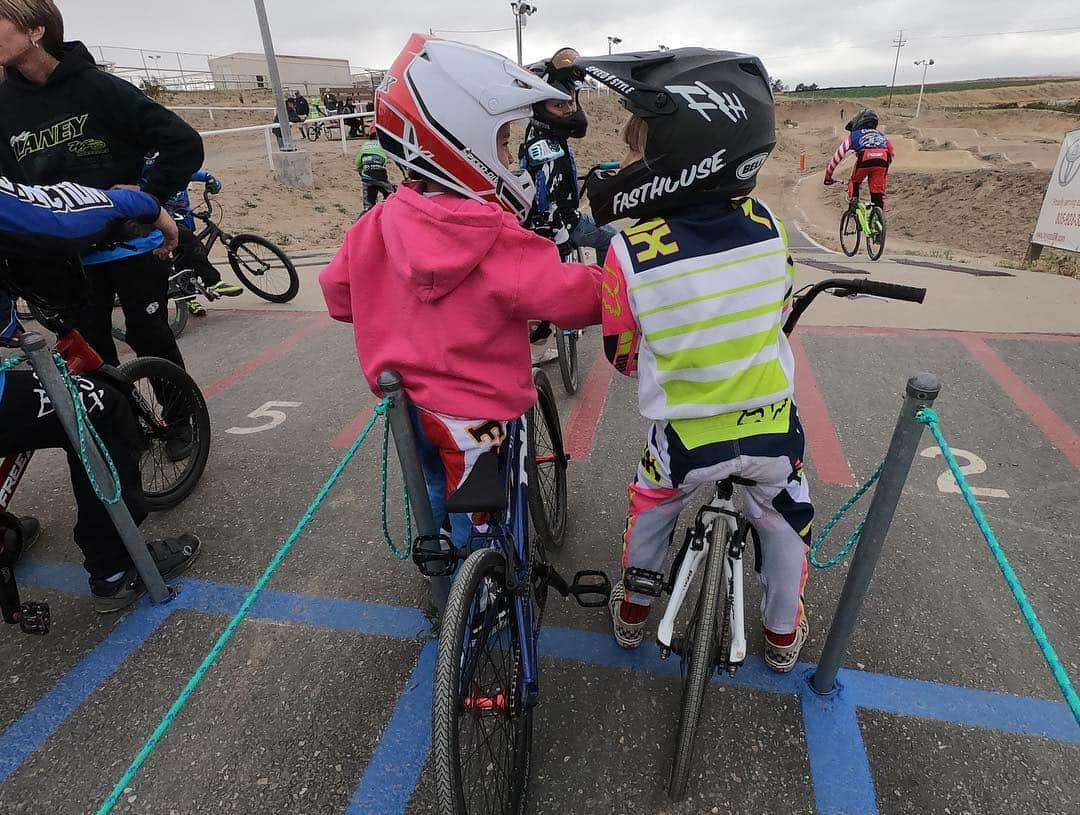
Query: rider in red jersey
x=873 y=155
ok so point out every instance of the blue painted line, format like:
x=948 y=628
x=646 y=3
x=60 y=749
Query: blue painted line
x=948 y=703
x=32 y=729
x=372 y=619
x=394 y=769
x=843 y=784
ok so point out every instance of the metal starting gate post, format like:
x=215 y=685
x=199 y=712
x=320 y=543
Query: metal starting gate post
x=48 y=373
x=922 y=390
x=405 y=442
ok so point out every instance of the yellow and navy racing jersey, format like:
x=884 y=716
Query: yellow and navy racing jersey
x=694 y=305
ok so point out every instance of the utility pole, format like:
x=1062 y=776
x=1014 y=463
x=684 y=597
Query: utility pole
x=899 y=42
x=925 y=63
x=521 y=16
x=291 y=165
x=275 y=77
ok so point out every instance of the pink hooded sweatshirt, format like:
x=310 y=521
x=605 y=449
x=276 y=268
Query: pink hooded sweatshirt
x=440 y=289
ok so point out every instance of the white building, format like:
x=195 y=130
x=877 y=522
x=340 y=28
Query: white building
x=248 y=70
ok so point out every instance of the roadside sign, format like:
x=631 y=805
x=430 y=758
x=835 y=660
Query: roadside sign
x=1059 y=220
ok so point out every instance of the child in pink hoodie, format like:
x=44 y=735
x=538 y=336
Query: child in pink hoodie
x=440 y=280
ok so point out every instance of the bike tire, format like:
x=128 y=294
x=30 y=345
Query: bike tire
x=850 y=230
x=545 y=467
x=160 y=387
x=178 y=318
x=875 y=244
x=702 y=658
x=566 y=344
x=251 y=265
x=480 y=580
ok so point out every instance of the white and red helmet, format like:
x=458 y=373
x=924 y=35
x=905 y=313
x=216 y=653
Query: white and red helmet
x=440 y=107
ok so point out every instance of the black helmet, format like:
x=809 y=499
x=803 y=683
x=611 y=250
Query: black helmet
x=710 y=128
x=566 y=79
x=862 y=120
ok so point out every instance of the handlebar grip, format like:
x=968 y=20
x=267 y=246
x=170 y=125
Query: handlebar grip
x=608 y=165
x=893 y=291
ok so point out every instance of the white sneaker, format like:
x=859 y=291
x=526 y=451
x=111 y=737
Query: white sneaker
x=782 y=658
x=628 y=635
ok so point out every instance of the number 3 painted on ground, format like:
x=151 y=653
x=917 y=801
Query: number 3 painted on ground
x=273 y=418
x=974 y=466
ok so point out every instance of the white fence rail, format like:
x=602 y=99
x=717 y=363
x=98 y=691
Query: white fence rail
x=269 y=128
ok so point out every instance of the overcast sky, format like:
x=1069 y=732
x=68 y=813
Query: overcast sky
x=831 y=43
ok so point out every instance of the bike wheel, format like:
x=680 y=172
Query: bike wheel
x=875 y=241
x=566 y=343
x=545 y=467
x=481 y=729
x=702 y=643
x=168 y=406
x=263 y=268
x=850 y=233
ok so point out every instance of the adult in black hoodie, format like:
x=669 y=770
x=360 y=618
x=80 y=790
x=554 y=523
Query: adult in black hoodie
x=65 y=120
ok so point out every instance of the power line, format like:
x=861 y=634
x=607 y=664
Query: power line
x=468 y=31
x=1060 y=30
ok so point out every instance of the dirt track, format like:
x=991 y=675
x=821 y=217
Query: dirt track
x=966 y=184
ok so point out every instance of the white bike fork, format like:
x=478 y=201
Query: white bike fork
x=695 y=559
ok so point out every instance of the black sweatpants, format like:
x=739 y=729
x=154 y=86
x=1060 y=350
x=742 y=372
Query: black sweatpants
x=142 y=284
x=28 y=422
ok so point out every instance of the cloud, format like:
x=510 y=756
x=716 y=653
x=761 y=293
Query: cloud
x=811 y=41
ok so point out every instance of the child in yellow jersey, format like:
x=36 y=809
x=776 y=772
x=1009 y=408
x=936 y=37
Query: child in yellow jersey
x=694 y=299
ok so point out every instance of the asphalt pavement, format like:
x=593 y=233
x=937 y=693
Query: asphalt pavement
x=320 y=704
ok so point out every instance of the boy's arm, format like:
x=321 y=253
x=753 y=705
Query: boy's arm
x=838 y=156
x=334 y=280
x=621 y=334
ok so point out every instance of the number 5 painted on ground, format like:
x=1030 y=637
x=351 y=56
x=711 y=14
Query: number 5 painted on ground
x=974 y=466
x=273 y=418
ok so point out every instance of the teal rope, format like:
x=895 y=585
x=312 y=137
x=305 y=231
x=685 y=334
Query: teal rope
x=7 y=363
x=929 y=417
x=835 y=519
x=230 y=629
x=84 y=426
x=400 y=554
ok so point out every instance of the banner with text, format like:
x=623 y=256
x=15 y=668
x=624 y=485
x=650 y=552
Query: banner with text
x=1059 y=220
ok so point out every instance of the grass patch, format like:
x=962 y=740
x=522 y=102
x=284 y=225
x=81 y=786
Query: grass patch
x=907 y=90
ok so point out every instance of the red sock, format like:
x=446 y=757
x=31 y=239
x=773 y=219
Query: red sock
x=633 y=613
x=780 y=639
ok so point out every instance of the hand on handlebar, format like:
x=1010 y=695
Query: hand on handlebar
x=169 y=231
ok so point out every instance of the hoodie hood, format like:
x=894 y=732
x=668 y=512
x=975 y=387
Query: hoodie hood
x=435 y=242
x=74 y=59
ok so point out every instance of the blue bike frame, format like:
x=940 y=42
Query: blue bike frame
x=509 y=534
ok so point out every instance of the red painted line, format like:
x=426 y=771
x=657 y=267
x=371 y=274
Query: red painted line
x=347 y=435
x=1063 y=437
x=887 y=331
x=292 y=314
x=830 y=463
x=580 y=432
x=313 y=327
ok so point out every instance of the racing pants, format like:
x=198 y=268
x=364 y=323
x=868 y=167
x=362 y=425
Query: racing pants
x=449 y=448
x=877 y=176
x=142 y=284
x=28 y=422
x=777 y=503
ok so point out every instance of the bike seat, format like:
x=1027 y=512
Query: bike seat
x=483 y=490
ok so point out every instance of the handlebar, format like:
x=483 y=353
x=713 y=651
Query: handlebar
x=603 y=166
x=843 y=288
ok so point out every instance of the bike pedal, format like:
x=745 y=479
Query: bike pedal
x=642 y=581
x=591 y=588
x=35 y=618
x=435 y=555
